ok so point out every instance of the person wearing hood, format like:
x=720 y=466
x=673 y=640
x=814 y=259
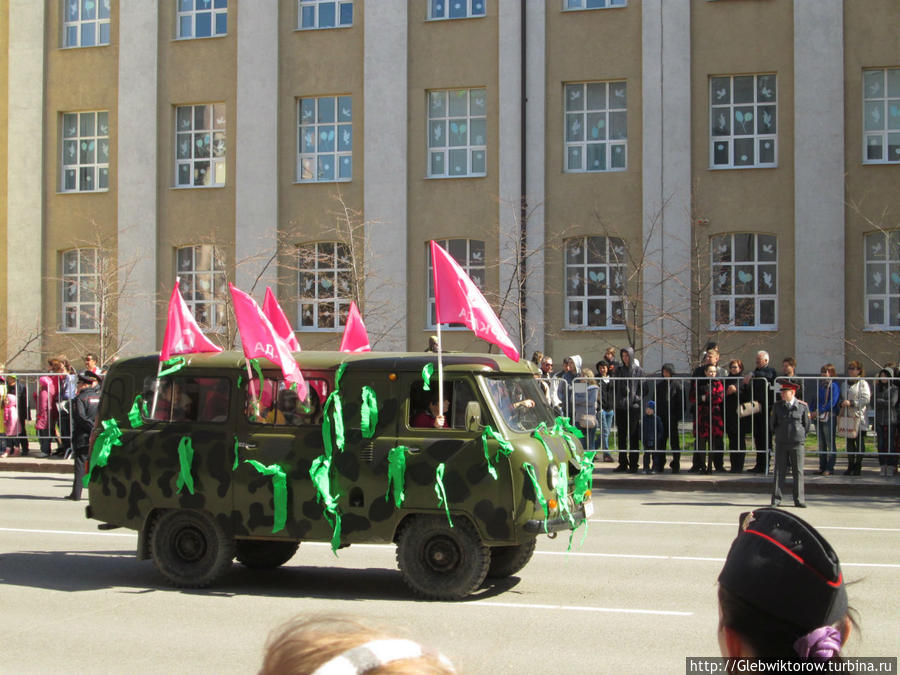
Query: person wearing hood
x=629 y=396
x=571 y=370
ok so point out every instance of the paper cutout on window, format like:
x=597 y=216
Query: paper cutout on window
x=745 y=277
x=767 y=279
x=720 y=93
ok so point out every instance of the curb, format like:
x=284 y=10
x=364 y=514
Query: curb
x=37 y=465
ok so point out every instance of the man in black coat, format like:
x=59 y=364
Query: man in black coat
x=85 y=406
x=630 y=394
x=763 y=381
x=670 y=408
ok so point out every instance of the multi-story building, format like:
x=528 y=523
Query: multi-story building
x=655 y=172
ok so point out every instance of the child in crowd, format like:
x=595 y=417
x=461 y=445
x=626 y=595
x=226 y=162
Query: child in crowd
x=652 y=434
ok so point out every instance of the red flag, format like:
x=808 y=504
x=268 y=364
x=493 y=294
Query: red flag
x=280 y=322
x=259 y=339
x=355 y=339
x=458 y=300
x=183 y=335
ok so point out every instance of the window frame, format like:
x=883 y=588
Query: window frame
x=620 y=145
x=340 y=305
x=581 y=5
x=614 y=259
x=316 y=6
x=216 y=9
x=217 y=160
x=471 y=6
x=96 y=168
x=730 y=137
x=191 y=385
x=889 y=265
x=756 y=263
x=890 y=94
x=99 y=23
x=218 y=299
x=339 y=125
x=79 y=277
x=468 y=265
x=446 y=120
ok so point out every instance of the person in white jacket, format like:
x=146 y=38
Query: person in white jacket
x=856 y=395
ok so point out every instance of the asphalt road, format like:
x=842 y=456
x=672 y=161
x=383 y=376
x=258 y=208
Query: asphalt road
x=638 y=595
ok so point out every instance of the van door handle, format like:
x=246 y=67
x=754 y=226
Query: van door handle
x=414 y=451
x=247 y=446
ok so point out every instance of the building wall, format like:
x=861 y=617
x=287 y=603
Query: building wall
x=4 y=160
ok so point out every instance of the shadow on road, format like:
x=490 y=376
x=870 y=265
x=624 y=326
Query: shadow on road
x=95 y=570
x=43 y=498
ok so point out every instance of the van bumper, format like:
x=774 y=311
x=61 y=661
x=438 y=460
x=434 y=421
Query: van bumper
x=583 y=512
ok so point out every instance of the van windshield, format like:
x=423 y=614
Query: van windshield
x=520 y=400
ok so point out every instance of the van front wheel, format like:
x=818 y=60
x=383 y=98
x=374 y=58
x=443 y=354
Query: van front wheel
x=507 y=560
x=440 y=562
x=265 y=555
x=190 y=548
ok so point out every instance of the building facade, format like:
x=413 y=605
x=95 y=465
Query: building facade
x=652 y=172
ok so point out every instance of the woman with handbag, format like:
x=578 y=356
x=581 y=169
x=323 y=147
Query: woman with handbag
x=739 y=410
x=585 y=406
x=856 y=396
x=828 y=405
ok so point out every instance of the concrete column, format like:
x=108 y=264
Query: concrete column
x=666 y=176
x=256 y=146
x=535 y=179
x=509 y=110
x=25 y=180
x=137 y=177
x=818 y=182
x=385 y=172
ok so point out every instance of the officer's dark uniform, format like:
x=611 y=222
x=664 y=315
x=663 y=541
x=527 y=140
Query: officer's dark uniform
x=84 y=413
x=791 y=424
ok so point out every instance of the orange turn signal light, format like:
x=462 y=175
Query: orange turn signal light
x=552 y=503
x=587 y=494
x=392 y=377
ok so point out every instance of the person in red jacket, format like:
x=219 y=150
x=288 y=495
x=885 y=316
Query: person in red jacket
x=708 y=398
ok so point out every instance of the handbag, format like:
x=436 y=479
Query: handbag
x=749 y=408
x=587 y=421
x=847 y=425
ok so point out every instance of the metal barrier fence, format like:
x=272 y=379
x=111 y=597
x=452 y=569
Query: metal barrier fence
x=729 y=417
x=34 y=410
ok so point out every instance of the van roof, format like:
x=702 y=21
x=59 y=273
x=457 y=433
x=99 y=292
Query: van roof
x=330 y=360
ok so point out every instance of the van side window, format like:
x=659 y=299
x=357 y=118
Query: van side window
x=457 y=393
x=279 y=405
x=187 y=399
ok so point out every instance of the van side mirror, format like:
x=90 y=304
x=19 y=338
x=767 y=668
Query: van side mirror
x=473 y=416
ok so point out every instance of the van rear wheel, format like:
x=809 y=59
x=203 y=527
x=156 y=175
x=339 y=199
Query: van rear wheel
x=190 y=548
x=265 y=555
x=440 y=562
x=507 y=560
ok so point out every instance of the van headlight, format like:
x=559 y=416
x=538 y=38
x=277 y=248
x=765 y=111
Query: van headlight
x=553 y=476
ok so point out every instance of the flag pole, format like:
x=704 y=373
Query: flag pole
x=253 y=396
x=440 y=374
x=159 y=370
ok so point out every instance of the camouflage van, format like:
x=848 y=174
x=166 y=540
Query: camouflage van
x=215 y=461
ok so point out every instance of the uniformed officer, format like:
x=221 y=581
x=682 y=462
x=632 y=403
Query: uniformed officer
x=791 y=424
x=84 y=413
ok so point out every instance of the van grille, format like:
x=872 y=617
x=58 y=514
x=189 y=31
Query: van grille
x=367 y=452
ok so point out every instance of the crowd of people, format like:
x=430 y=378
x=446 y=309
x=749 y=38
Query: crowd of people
x=721 y=401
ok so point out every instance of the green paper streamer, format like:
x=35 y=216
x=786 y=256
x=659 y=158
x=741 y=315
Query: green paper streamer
x=236 y=458
x=562 y=487
x=441 y=492
x=333 y=419
x=427 y=372
x=541 y=499
x=240 y=380
x=173 y=365
x=134 y=415
x=368 y=413
x=107 y=438
x=320 y=474
x=338 y=420
x=563 y=425
x=279 y=490
x=537 y=435
x=505 y=449
x=585 y=476
x=259 y=373
x=396 y=474
x=185 y=459
x=338 y=375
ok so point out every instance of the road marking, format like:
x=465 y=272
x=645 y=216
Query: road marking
x=576 y=608
x=734 y=525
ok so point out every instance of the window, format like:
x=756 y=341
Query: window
x=86 y=23
x=455 y=9
x=325 y=132
x=881 y=109
x=80 y=290
x=592 y=4
x=200 y=145
x=326 y=285
x=277 y=404
x=595 y=282
x=468 y=254
x=742 y=121
x=314 y=14
x=883 y=280
x=203 y=284
x=457 y=394
x=596 y=126
x=744 y=281
x=186 y=399
x=457 y=133
x=202 y=18
x=85 y=152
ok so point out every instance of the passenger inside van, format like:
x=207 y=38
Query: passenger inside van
x=432 y=417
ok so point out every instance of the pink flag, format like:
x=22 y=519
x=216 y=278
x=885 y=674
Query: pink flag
x=259 y=339
x=458 y=300
x=183 y=335
x=280 y=322
x=355 y=339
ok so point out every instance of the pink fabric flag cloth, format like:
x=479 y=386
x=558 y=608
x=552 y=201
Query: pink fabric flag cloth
x=458 y=300
x=355 y=339
x=259 y=339
x=279 y=321
x=183 y=335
